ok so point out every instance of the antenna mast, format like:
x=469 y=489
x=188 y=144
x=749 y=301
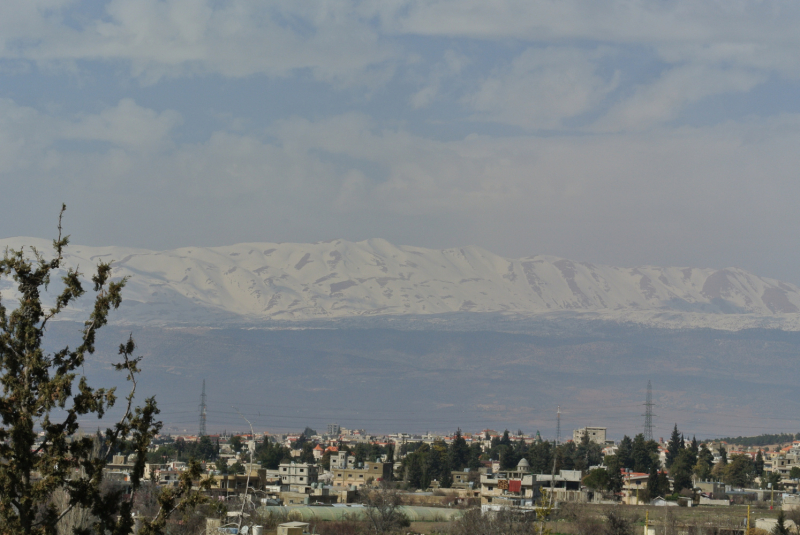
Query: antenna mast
x=202 y=430
x=648 y=413
x=558 y=426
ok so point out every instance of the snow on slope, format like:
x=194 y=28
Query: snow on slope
x=253 y=282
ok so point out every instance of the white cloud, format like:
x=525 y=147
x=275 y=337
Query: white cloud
x=127 y=125
x=189 y=37
x=452 y=64
x=660 y=196
x=664 y=99
x=541 y=88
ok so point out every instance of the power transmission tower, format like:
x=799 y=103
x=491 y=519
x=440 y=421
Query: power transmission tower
x=648 y=413
x=202 y=431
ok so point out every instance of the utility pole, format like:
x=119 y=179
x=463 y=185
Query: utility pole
x=555 y=455
x=202 y=430
x=748 y=521
x=648 y=413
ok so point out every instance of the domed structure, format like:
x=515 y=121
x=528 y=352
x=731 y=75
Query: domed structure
x=523 y=465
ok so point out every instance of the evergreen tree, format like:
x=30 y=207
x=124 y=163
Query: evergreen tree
x=625 y=452
x=587 y=454
x=446 y=477
x=45 y=395
x=565 y=456
x=652 y=484
x=780 y=526
x=459 y=452
x=663 y=484
x=681 y=471
x=614 y=467
x=674 y=446
x=694 y=450
x=540 y=457
x=475 y=452
x=307 y=455
x=412 y=470
x=437 y=460
x=723 y=453
x=759 y=463
x=704 y=464
x=645 y=454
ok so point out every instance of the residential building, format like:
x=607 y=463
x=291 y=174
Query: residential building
x=596 y=434
x=358 y=477
x=298 y=475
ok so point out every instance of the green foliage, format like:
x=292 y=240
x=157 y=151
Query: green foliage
x=614 y=466
x=270 y=454
x=236 y=444
x=459 y=452
x=307 y=455
x=681 y=470
x=236 y=468
x=740 y=471
x=446 y=478
x=794 y=473
x=475 y=453
x=644 y=453
x=760 y=464
x=540 y=457
x=48 y=393
x=704 y=464
x=625 y=452
x=597 y=479
x=762 y=440
x=179 y=450
x=368 y=452
x=674 y=446
x=773 y=478
x=587 y=454
x=780 y=527
x=222 y=466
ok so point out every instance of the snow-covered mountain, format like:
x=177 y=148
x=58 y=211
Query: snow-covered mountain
x=254 y=282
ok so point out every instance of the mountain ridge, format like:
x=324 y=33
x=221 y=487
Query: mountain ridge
x=258 y=282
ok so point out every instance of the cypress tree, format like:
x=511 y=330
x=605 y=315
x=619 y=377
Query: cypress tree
x=674 y=446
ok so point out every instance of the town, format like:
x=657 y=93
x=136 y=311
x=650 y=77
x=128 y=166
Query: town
x=320 y=478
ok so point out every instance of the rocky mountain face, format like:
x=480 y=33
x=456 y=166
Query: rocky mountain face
x=255 y=282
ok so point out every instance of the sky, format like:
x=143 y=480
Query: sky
x=621 y=132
